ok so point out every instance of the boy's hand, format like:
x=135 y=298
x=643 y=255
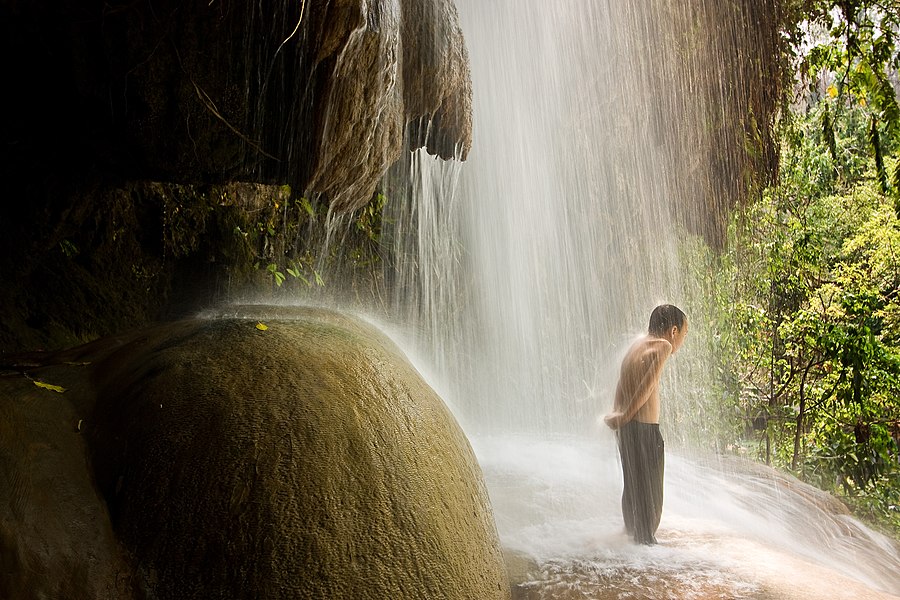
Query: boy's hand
x=613 y=420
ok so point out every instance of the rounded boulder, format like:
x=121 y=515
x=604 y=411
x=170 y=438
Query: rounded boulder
x=296 y=454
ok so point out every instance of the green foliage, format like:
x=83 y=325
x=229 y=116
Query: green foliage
x=289 y=242
x=806 y=292
x=185 y=211
x=265 y=237
x=364 y=250
x=369 y=219
x=852 y=61
x=280 y=240
x=808 y=304
x=68 y=248
x=277 y=275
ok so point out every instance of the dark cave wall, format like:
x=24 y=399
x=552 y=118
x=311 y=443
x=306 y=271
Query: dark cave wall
x=236 y=91
x=108 y=98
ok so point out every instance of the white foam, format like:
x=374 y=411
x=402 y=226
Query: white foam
x=556 y=502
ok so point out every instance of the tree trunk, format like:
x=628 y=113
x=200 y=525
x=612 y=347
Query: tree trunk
x=800 y=415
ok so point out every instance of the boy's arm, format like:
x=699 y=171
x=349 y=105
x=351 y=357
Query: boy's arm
x=651 y=369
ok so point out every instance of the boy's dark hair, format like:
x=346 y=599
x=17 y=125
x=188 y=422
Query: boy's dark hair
x=664 y=317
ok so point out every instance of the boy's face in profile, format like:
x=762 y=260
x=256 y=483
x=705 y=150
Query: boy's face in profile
x=678 y=338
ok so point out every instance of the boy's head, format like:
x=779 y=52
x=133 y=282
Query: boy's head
x=669 y=322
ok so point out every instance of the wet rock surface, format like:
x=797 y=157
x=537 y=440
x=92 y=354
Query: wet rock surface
x=56 y=538
x=628 y=583
x=677 y=569
x=293 y=454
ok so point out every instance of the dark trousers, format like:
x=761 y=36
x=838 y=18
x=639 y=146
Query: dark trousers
x=643 y=464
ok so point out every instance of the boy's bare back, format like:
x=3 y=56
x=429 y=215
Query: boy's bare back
x=637 y=393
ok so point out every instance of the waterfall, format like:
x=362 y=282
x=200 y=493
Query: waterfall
x=518 y=278
x=546 y=251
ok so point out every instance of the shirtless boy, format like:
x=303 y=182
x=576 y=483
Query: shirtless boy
x=635 y=418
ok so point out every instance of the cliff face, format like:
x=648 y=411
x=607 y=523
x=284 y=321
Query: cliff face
x=108 y=98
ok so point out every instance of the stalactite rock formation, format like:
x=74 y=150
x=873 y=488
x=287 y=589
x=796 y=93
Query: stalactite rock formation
x=295 y=454
x=391 y=66
x=318 y=94
x=314 y=98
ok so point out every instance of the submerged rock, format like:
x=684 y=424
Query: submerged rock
x=300 y=456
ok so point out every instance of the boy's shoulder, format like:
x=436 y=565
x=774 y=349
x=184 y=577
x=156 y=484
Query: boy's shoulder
x=653 y=347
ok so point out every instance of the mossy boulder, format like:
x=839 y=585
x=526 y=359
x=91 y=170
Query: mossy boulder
x=291 y=455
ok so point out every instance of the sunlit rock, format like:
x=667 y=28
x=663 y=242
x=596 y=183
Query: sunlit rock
x=389 y=65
